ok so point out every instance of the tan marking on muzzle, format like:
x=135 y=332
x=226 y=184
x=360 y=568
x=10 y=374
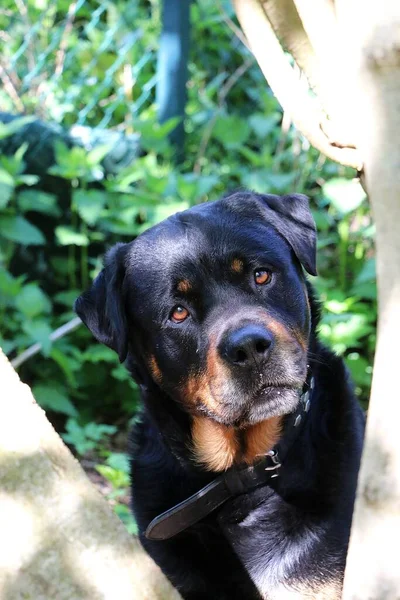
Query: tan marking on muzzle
x=197 y=390
x=283 y=334
x=184 y=286
x=155 y=369
x=260 y=438
x=214 y=445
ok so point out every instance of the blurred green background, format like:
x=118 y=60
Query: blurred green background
x=93 y=63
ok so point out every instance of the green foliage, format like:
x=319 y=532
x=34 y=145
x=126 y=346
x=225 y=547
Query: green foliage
x=116 y=471
x=85 y=438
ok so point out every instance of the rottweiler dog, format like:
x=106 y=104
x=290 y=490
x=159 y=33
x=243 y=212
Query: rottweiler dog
x=245 y=458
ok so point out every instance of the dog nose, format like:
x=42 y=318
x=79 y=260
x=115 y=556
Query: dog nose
x=246 y=346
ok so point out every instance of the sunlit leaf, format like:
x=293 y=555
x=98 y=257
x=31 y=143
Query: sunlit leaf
x=66 y=236
x=344 y=194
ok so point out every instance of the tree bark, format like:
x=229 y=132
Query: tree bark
x=373 y=42
x=59 y=538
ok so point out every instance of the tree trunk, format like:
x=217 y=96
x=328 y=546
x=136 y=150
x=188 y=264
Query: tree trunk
x=372 y=30
x=59 y=538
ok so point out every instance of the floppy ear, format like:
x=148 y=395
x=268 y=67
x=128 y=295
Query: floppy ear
x=102 y=309
x=292 y=218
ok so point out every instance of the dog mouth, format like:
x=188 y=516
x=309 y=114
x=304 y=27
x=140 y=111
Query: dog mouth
x=269 y=401
x=257 y=404
x=269 y=390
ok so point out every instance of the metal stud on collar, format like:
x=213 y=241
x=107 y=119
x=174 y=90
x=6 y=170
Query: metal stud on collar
x=276 y=463
x=305 y=400
x=297 y=421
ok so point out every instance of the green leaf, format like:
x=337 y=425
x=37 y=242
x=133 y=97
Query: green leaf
x=360 y=369
x=231 y=131
x=345 y=330
x=367 y=273
x=32 y=302
x=66 y=236
x=344 y=194
x=264 y=181
x=323 y=220
x=124 y=513
x=50 y=397
x=32 y=200
x=90 y=204
x=119 y=461
x=262 y=125
x=163 y=211
x=39 y=331
x=118 y=479
x=205 y=184
x=66 y=298
x=97 y=353
x=7 y=129
x=6 y=188
x=76 y=437
x=67 y=364
x=9 y=286
x=18 y=229
x=95 y=156
x=97 y=431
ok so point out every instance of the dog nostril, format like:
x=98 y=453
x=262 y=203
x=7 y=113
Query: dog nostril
x=262 y=346
x=246 y=346
x=241 y=356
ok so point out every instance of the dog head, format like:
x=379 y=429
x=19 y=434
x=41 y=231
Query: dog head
x=212 y=306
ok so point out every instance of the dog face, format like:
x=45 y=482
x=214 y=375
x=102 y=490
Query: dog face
x=211 y=304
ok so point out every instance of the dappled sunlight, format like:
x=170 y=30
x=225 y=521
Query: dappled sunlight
x=19 y=529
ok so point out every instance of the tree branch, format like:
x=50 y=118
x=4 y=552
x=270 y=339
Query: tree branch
x=292 y=96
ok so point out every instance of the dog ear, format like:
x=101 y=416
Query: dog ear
x=101 y=308
x=292 y=218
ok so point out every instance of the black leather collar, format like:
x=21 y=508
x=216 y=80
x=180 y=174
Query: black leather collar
x=235 y=481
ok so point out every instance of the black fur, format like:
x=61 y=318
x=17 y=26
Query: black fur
x=292 y=534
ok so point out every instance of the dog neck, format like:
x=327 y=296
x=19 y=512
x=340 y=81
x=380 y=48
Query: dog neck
x=217 y=447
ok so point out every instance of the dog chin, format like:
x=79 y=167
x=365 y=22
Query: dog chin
x=270 y=402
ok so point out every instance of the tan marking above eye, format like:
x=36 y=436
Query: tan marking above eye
x=184 y=286
x=237 y=265
x=262 y=276
x=179 y=314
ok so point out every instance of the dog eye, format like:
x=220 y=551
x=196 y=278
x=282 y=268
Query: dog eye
x=262 y=276
x=179 y=314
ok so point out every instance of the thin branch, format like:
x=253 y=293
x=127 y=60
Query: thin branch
x=288 y=28
x=224 y=91
x=30 y=55
x=60 y=58
x=55 y=335
x=232 y=26
x=11 y=90
x=292 y=96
